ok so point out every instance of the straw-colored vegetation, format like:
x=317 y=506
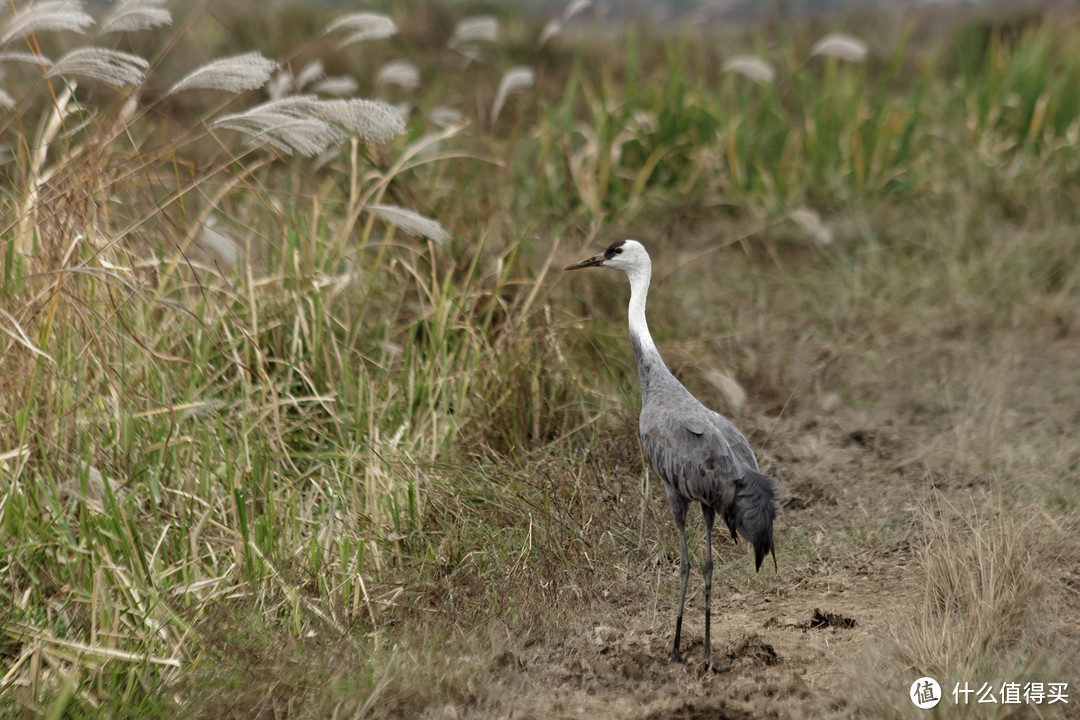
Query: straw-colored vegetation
x=298 y=419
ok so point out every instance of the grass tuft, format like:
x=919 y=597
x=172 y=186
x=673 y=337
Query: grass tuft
x=987 y=612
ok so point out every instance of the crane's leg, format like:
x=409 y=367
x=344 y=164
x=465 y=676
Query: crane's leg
x=678 y=509
x=706 y=570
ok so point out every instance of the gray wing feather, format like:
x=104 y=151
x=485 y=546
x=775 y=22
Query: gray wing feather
x=696 y=451
x=740 y=448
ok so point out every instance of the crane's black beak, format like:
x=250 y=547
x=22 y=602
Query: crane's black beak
x=591 y=262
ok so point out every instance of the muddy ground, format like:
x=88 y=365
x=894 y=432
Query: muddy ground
x=815 y=641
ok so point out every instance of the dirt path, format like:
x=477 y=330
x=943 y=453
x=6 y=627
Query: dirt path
x=789 y=655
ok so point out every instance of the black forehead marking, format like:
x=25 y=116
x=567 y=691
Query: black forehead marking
x=613 y=247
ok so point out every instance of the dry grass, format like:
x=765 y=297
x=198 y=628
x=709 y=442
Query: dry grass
x=988 y=611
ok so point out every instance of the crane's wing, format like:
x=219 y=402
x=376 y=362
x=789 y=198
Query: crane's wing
x=690 y=452
x=740 y=448
x=703 y=457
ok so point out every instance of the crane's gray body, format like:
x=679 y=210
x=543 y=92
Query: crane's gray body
x=699 y=454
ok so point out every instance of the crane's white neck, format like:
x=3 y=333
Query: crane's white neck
x=639 y=290
x=648 y=357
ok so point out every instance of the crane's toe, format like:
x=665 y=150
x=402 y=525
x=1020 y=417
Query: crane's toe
x=676 y=657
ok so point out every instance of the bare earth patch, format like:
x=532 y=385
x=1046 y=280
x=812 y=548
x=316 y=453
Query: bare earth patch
x=783 y=659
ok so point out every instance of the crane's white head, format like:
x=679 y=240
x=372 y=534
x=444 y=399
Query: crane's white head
x=626 y=255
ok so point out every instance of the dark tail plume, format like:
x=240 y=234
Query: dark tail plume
x=752 y=512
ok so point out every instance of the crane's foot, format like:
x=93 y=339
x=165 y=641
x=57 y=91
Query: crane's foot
x=676 y=657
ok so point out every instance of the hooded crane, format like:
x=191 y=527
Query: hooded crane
x=699 y=454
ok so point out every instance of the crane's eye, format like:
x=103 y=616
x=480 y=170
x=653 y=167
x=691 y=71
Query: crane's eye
x=618 y=251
